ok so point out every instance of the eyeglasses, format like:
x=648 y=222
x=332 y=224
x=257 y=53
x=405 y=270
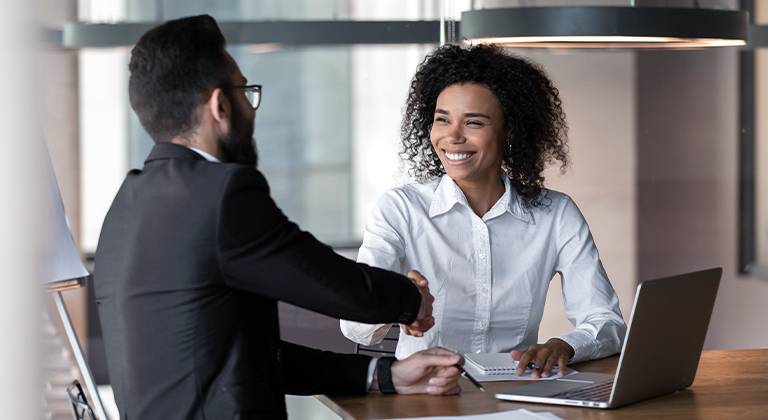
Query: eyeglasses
x=252 y=93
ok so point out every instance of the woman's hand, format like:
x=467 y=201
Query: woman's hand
x=546 y=356
x=424 y=321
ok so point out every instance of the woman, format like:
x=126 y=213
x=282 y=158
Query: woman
x=480 y=127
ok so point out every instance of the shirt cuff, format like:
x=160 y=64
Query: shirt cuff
x=371 y=370
x=583 y=345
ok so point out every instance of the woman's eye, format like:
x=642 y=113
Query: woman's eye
x=476 y=123
x=441 y=119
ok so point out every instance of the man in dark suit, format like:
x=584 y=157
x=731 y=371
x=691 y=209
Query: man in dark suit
x=194 y=255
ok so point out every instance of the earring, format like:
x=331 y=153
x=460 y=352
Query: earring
x=509 y=147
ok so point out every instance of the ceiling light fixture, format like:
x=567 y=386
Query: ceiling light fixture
x=605 y=27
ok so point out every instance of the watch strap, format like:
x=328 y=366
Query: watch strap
x=384 y=375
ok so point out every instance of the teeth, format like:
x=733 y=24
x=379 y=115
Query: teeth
x=457 y=156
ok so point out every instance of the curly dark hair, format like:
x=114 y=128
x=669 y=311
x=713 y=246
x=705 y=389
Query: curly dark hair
x=533 y=115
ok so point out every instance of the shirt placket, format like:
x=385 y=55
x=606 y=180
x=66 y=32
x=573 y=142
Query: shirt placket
x=482 y=267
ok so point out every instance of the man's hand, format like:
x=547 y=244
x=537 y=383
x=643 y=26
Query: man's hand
x=546 y=356
x=429 y=371
x=424 y=321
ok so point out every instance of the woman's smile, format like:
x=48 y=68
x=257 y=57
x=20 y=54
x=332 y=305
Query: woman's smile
x=458 y=157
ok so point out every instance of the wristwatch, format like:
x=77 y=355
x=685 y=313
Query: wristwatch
x=384 y=375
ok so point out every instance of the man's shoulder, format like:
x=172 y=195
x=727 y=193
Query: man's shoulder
x=201 y=172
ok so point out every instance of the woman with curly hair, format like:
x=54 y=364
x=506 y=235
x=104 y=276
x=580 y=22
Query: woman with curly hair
x=480 y=127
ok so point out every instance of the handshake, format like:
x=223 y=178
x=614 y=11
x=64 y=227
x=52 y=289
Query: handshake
x=425 y=320
x=431 y=371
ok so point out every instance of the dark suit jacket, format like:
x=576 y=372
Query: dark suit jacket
x=191 y=262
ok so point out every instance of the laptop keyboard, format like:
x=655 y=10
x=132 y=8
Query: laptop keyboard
x=600 y=391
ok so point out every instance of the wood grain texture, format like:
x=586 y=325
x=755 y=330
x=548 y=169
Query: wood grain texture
x=729 y=384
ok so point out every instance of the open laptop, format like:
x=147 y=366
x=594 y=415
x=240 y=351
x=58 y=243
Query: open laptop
x=661 y=350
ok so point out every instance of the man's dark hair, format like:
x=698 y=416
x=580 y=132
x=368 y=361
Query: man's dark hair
x=173 y=67
x=534 y=120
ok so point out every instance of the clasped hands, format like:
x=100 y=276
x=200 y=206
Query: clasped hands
x=425 y=320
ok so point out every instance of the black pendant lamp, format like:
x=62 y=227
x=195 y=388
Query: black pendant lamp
x=605 y=27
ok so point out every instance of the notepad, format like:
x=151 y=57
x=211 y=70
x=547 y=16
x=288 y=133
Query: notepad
x=492 y=363
x=491 y=367
x=495 y=363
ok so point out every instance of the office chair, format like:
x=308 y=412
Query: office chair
x=386 y=347
x=80 y=408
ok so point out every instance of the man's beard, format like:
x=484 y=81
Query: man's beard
x=239 y=145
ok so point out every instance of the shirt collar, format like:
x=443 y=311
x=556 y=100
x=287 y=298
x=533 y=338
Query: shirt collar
x=447 y=194
x=209 y=157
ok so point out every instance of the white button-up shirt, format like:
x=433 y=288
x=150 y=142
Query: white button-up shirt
x=490 y=275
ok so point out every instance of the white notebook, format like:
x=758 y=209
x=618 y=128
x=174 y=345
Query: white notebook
x=492 y=363
x=492 y=367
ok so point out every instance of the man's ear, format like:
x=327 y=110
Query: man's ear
x=220 y=108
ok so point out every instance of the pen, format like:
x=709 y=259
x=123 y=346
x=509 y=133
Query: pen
x=529 y=366
x=471 y=379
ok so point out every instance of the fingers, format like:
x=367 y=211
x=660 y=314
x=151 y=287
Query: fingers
x=417 y=278
x=553 y=353
x=446 y=380
x=446 y=352
x=419 y=327
x=443 y=386
x=524 y=359
x=429 y=371
x=549 y=364
x=562 y=364
x=545 y=359
x=562 y=351
x=536 y=354
x=425 y=310
x=440 y=357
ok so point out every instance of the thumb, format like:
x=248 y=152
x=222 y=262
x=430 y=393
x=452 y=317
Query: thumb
x=417 y=278
x=517 y=354
x=440 y=357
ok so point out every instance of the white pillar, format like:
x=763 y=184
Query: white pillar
x=22 y=215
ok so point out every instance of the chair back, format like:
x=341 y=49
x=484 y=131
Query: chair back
x=386 y=347
x=80 y=408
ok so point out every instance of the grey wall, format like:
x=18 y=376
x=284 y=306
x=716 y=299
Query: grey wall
x=687 y=184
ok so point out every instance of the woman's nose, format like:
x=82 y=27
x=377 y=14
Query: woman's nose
x=455 y=134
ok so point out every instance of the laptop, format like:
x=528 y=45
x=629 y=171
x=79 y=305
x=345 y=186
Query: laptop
x=661 y=350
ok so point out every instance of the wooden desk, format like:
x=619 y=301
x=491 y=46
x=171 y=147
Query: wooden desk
x=730 y=384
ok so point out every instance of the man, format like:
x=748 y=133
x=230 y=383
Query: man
x=194 y=255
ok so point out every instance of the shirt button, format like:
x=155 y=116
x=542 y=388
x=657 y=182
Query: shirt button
x=483 y=290
x=478 y=227
x=482 y=255
x=478 y=351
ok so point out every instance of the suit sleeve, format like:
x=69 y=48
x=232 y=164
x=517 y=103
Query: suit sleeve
x=309 y=371
x=262 y=252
